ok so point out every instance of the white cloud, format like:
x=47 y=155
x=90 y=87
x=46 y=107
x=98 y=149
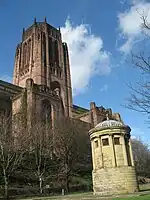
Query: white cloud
x=6 y=78
x=87 y=57
x=130 y=24
x=122 y=2
x=135 y=2
x=104 y=88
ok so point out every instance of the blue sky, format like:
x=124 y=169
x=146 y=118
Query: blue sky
x=100 y=35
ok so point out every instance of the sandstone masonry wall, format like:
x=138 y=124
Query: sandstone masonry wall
x=115 y=180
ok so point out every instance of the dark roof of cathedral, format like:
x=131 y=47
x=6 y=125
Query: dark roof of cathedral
x=9 y=87
x=80 y=109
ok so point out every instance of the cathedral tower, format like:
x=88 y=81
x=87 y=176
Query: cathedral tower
x=43 y=57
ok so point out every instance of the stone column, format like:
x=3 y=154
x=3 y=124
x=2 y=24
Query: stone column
x=124 y=150
x=93 y=154
x=131 y=153
x=113 y=151
x=101 y=153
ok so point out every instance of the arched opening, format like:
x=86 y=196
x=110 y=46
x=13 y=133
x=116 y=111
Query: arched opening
x=28 y=51
x=55 y=87
x=56 y=53
x=46 y=113
x=44 y=49
x=25 y=54
x=50 y=49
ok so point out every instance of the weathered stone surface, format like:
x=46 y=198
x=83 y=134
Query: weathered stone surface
x=42 y=57
x=117 y=180
x=113 y=165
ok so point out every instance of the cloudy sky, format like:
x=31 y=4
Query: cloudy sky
x=100 y=36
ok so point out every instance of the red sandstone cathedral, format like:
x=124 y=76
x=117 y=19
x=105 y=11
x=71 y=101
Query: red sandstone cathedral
x=42 y=79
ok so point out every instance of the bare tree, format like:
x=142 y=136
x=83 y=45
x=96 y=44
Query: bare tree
x=12 y=148
x=141 y=155
x=41 y=149
x=139 y=99
x=71 y=143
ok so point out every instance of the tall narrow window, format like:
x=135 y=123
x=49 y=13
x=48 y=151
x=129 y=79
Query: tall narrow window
x=44 y=49
x=96 y=143
x=25 y=54
x=105 y=142
x=46 y=113
x=56 y=53
x=116 y=140
x=28 y=51
x=50 y=49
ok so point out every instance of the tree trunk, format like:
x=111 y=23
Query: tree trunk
x=67 y=184
x=41 y=185
x=6 y=185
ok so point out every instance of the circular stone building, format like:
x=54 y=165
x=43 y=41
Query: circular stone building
x=113 y=165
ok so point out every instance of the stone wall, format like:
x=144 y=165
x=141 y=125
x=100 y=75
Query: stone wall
x=86 y=118
x=114 y=180
x=16 y=105
x=119 y=155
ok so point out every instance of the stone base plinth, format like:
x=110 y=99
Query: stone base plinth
x=117 y=180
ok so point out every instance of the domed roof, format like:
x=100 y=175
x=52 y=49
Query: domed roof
x=109 y=123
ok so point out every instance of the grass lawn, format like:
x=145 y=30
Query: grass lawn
x=144 y=197
x=89 y=196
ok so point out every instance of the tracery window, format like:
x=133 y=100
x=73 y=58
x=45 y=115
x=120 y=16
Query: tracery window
x=46 y=113
x=44 y=49
x=29 y=51
x=55 y=87
x=50 y=48
x=25 y=53
x=56 y=53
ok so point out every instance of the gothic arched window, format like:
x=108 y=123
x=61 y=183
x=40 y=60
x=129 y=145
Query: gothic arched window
x=25 y=53
x=50 y=49
x=44 y=49
x=46 y=113
x=55 y=87
x=28 y=51
x=56 y=53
